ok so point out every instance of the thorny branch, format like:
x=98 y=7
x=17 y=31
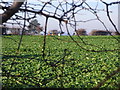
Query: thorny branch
x=23 y=28
x=108 y=14
x=63 y=12
x=44 y=42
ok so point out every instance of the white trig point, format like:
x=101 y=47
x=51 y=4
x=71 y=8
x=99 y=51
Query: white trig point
x=59 y=34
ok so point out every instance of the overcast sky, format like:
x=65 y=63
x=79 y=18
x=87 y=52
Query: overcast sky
x=83 y=15
x=86 y=15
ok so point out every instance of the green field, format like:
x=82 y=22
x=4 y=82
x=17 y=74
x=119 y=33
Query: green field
x=65 y=65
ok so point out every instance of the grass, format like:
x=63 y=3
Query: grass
x=65 y=64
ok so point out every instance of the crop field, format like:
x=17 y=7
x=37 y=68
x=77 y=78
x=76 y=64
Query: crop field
x=64 y=64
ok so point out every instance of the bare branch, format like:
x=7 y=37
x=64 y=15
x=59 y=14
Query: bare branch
x=11 y=11
x=107 y=78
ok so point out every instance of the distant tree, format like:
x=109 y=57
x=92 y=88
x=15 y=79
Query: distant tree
x=116 y=33
x=34 y=27
x=81 y=32
x=99 y=32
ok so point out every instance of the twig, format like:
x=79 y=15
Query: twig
x=44 y=42
x=22 y=29
x=107 y=78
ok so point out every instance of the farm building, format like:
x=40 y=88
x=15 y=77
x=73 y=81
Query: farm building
x=15 y=31
x=3 y=30
x=8 y=30
x=56 y=32
x=53 y=32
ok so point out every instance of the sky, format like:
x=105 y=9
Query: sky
x=83 y=15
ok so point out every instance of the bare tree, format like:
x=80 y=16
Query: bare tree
x=11 y=10
x=65 y=13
